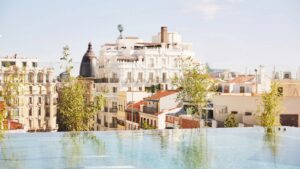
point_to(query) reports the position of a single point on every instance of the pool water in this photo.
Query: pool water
(222, 148)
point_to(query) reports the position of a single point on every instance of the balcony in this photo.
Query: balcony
(113, 110)
(114, 80)
(150, 110)
(101, 80)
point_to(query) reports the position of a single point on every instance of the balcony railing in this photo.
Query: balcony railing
(114, 80)
(150, 110)
(113, 110)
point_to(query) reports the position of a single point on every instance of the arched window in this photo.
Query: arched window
(31, 77)
(40, 77)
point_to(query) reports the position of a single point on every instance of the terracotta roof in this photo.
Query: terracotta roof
(136, 105)
(242, 79)
(160, 94)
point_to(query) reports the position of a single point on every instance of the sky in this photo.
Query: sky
(236, 34)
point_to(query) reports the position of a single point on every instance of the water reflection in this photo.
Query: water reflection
(193, 152)
(8, 157)
(271, 140)
(77, 146)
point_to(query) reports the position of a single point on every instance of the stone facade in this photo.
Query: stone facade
(35, 107)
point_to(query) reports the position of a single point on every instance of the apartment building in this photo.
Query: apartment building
(35, 105)
(154, 109)
(130, 64)
(247, 107)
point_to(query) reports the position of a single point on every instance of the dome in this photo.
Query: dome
(88, 64)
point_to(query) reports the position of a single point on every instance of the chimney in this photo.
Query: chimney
(164, 34)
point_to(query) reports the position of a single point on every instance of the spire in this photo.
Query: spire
(90, 46)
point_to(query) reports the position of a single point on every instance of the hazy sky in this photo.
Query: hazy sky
(236, 34)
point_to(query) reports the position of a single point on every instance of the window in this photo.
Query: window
(30, 111)
(30, 124)
(24, 64)
(234, 112)
(41, 90)
(280, 91)
(31, 77)
(47, 112)
(7, 63)
(151, 62)
(30, 90)
(140, 89)
(129, 78)
(164, 62)
(114, 89)
(287, 75)
(114, 105)
(140, 76)
(226, 89)
(34, 64)
(175, 63)
(164, 77)
(40, 100)
(40, 111)
(248, 113)
(114, 75)
(151, 77)
(47, 100)
(242, 89)
(40, 123)
(40, 77)
(30, 100)
(47, 78)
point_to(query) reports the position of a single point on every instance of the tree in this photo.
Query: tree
(66, 60)
(271, 103)
(13, 80)
(76, 109)
(230, 121)
(195, 85)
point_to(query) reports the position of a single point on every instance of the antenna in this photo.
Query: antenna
(121, 29)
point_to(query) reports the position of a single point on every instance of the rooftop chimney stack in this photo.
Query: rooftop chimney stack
(164, 34)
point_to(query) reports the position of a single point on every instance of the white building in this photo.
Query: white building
(35, 105)
(246, 84)
(247, 108)
(130, 64)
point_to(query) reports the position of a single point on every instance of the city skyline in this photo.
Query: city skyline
(245, 33)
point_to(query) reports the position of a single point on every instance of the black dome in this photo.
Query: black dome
(88, 64)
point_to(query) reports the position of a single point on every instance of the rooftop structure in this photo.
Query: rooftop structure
(88, 66)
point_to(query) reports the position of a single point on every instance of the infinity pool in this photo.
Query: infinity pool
(234, 148)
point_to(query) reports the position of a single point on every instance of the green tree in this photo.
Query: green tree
(271, 103)
(66, 60)
(195, 85)
(230, 121)
(76, 110)
(11, 89)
